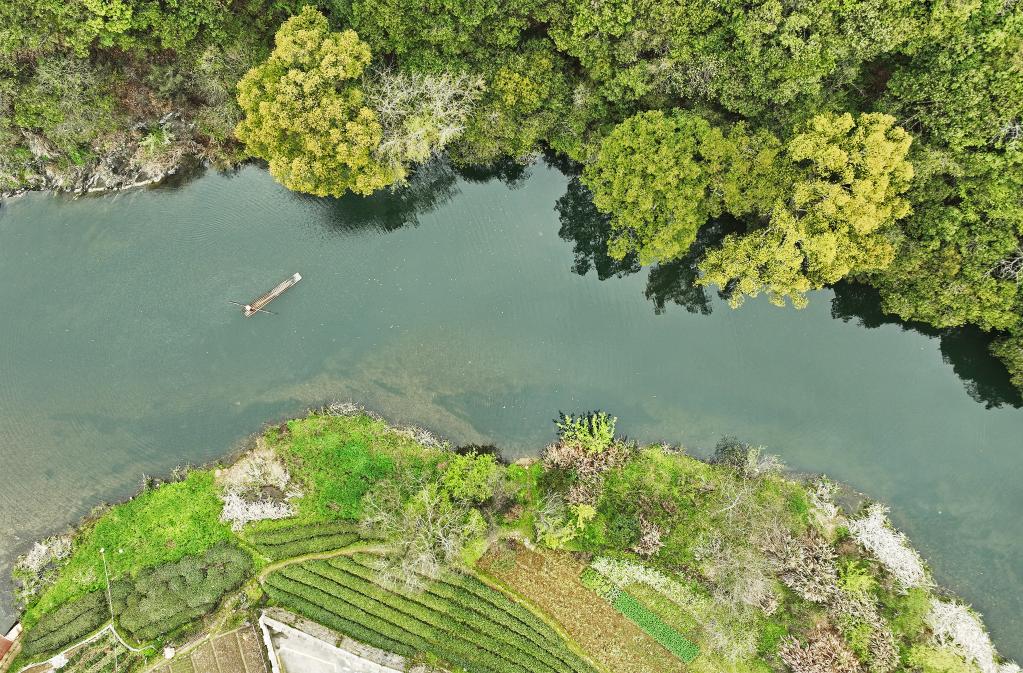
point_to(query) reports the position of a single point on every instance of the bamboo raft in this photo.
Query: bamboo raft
(258, 304)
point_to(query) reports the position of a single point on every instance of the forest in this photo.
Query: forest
(790, 144)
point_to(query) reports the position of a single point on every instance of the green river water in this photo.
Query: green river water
(467, 305)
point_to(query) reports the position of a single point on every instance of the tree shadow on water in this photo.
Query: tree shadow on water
(964, 348)
(672, 282)
(431, 186)
(512, 173)
(589, 231)
(675, 281)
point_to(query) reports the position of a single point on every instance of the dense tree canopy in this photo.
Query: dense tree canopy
(771, 113)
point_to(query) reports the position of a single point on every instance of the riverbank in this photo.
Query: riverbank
(385, 534)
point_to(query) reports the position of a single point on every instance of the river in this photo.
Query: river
(478, 306)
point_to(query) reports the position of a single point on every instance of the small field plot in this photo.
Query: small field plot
(459, 620)
(550, 580)
(240, 651)
(104, 655)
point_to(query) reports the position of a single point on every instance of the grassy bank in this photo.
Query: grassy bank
(601, 556)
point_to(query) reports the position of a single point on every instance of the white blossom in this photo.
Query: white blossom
(240, 511)
(889, 546)
(955, 626)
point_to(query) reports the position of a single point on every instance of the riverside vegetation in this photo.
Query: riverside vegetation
(601, 556)
(873, 140)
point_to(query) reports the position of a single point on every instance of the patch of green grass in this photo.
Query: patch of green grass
(159, 526)
(339, 458)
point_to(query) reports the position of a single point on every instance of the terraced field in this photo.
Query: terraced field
(460, 620)
(283, 539)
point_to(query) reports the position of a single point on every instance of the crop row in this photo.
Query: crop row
(639, 614)
(102, 655)
(673, 641)
(67, 624)
(308, 545)
(443, 615)
(414, 624)
(320, 607)
(415, 632)
(491, 612)
(483, 593)
(285, 530)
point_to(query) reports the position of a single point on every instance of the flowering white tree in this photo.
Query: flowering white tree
(889, 546)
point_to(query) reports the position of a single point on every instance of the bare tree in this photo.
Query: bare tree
(420, 113)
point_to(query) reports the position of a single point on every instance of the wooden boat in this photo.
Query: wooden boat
(257, 305)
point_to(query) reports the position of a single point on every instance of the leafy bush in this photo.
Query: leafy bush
(594, 431)
(471, 477)
(602, 586)
(159, 600)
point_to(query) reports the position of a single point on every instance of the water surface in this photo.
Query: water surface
(479, 309)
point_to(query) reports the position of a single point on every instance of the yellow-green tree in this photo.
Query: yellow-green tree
(839, 218)
(305, 113)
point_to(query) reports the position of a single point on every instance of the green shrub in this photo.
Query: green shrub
(471, 477)
(907, 613)
(603, 587)
(159, 600)
(594, 431)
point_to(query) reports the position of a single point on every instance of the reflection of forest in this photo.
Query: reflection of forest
(429, 186)
(964, 348)
(674, 282)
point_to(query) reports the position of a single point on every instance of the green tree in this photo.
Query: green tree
(525, 99)
(961, 258)
(966, 88)
(839, 219)
(439, 33)
(655, 175)
(305, 113)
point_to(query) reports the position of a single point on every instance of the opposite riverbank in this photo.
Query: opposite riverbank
(601, 556)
